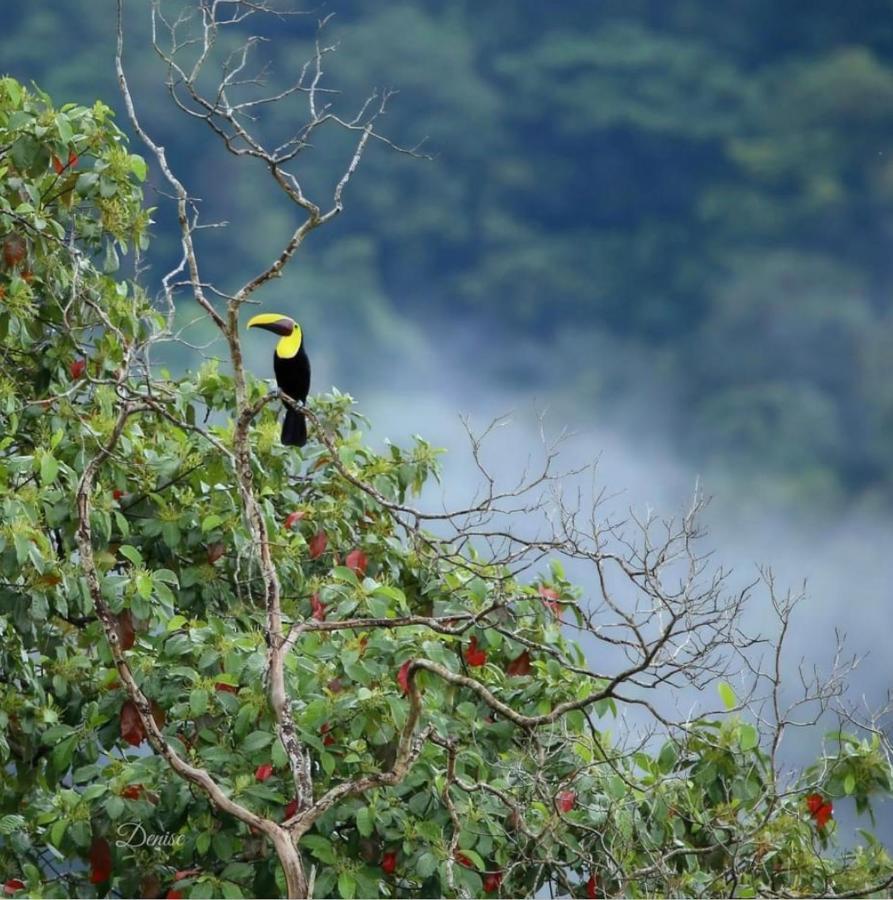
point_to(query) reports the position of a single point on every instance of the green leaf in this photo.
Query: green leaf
(62, 753)
(211, 521)
(49, 469)
(57, 832)
(114, 806)
(347, 885)
(139, 168)
(256, 741)
(131, 553)
(727, 694)
(849, 783)
(198, 702)
(425, 865)
(11, 823)
(365, 823)
(748, 737)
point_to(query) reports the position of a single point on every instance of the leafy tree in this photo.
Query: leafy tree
(235, 669)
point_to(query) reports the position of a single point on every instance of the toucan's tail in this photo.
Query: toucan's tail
(294, 428)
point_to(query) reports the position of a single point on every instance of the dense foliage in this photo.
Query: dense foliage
(88, 808)
(678, 198)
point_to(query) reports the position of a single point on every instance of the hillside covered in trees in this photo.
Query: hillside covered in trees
(678, 210)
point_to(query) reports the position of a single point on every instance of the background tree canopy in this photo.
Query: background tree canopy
(634, 206)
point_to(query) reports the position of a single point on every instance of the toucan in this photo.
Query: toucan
(292, 369)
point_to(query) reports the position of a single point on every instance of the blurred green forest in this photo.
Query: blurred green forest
(672, 214)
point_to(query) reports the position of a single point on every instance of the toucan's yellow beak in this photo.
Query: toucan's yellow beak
(275, 322)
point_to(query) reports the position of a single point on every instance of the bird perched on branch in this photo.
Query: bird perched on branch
(292, 369)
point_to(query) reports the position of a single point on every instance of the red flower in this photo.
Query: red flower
(293, 517)
(76, 368)
(324, 730)
(132, 791)
(474, 656)
(463, 860)
(820, 809)
(117, 493)
(492, 880)
(519, 666)
(225, 688)
(591, 885)
(566, 801)
(357, 562)
(131, 725)
(291, 808)
(72, 159)
(263, 772)
(318, 544)
(100, 861)
(13, 885)
(389, 862)
(318, 608)
(403, 677)
(57, 165)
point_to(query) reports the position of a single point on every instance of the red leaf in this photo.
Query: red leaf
(173, 895)
(76, 368)
(117, 493)
(291, 808)
(356, 561)
(324, 730)
(215, 551)
(13, 885)
(474, 656)
(125, 630)
(14, 250)
(132, 791)
(159, 717)
(318, 608)
(566, 801)
(100, 861)
(551, 598)
(519, 666)
(463, 860)
(57, 165)
(591, 885)
(336, 685)
(318, 544)
(389, 862)
(225, 688)
(294, 517)
(263, 772)
(492, 881)
(820, 809)
(403, 677)
(131, 725)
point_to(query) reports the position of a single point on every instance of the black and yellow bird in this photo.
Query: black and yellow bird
(292, 369)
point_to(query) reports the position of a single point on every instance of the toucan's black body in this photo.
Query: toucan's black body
(293, 378)
(292, 369)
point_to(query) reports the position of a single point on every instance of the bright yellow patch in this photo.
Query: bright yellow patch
(289, 346)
